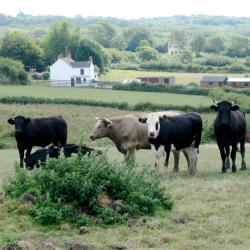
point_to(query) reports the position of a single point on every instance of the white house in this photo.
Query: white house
(173, 49)
(67, 72)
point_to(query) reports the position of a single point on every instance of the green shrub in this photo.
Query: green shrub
(45, 75)
(71, 190)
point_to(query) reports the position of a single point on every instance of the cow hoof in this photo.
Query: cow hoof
(234, 170)
(243, 166)
(224, 171)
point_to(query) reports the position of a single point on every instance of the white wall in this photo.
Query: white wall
(60, 71)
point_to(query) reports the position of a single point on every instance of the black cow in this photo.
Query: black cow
(38, 132)
(39, 157)
(181, 132)
(230, 129)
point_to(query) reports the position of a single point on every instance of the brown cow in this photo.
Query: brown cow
(128, 134)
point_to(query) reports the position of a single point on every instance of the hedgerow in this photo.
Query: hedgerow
(86, 190)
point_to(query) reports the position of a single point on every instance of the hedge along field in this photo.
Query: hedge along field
(104, 95)
(180, 78)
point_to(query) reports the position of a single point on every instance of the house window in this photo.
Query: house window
(166, 80)
(84, 79)
(210, 83)
(78, 79)
(81, 71)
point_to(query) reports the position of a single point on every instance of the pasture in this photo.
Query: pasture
(105, 95)
(211, 210)
(180, 78)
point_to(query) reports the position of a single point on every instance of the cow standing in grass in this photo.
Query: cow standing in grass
(230, 129)
(182, 132)
(128, 134)
(38, 132)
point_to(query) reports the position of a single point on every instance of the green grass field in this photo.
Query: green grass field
(211, 211)
(105, 95)
(180, 78)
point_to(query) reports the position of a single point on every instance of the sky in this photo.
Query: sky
(127, 9)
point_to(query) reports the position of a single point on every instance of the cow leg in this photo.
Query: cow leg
(227, 162)
(176, 160)
(223, 158)
(28, 151)
(21, 155)
(167, 149)
(192, 155)
(233, 157)
(130, 156)
(242, 151)
(187, 158)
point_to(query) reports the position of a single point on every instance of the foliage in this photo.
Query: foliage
(207, 132)
(118, 42)
(87, 48)
(216, 60)
(215, 45)
(20, 46)
(65, 188)
(198, 44)
(186, 56)
(162, 88)
(45, 75)
(238, 47)
(102, 32)
(178, 37)
(12, 72)
(237, 68)
(134, 35)
(147, 53)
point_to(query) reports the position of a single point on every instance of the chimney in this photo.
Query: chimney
(90, 59)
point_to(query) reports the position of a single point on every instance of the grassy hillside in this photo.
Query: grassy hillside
(103, 95)
(180, 78)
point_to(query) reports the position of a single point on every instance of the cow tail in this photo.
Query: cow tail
(197, 139)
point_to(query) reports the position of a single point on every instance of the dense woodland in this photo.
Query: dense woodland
(208, 43)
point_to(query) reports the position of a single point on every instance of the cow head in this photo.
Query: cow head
(153, 123)
(224, 109)
(20, 122)
(101, 129)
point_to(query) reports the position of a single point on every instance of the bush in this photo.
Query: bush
(237, 68)
(45, 75)
(71, 190)
(176, 89)
(216, 60)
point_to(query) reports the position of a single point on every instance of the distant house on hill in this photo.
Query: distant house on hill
(173, 49)
(213, 81)
(238, 82)
(69, 73)
(157, 79)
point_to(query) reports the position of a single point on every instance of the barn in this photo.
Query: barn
(157, 79)
(238, 82)
(69, 73)
(213, 81)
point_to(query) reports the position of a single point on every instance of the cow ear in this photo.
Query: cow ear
(214, 107)
(162, 118)
(142, 119)
(11, 121)
(235, 107)
(27, 120)
(107, 122)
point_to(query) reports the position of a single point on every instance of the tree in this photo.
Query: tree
(87, 48)
(238, 47)
(147, 53)
(198, 44)
(62, 38)
(20, 46)
(215, 45)
(178, 37)
(118, 42)
(186, 56)
(135, 35)
(102, 33)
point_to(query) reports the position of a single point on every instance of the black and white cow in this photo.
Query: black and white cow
(182, 132)
(230, 129)
(38, 132)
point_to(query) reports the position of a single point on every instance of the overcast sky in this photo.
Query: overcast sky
(126, 8)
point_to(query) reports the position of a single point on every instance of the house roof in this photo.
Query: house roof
(74, 64)
(80, 64)
(214, 79)
(232, 79)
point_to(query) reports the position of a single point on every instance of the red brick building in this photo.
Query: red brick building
(213, 81)
(157, 79)
(238, 82)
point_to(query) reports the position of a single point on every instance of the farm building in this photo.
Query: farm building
(157, 79)
(69, 73)
(238, 82)
(213, 81)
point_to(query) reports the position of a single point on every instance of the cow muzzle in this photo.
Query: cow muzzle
(151, 135)
(92, 137)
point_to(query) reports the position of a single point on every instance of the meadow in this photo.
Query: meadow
(180, 78)
(105, 95)
(211, 210)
